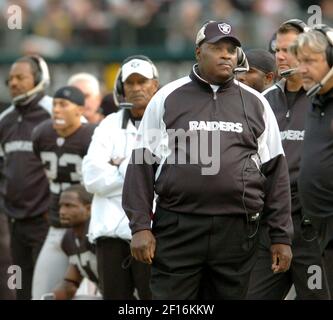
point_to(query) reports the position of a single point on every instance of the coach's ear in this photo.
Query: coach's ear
(269, 78)
(156, 84)
(87, 208)
(84, 213)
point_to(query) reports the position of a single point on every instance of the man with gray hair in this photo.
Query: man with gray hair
(315, 56)
(289, 103)
(90, 87)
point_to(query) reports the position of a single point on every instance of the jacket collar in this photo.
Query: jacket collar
(32, 104)
(127, 123)
(281, 84)
(195, 76)
(320, 100)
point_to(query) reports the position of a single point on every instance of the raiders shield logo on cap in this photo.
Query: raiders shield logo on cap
(67, 93)
(224, 28)
(135, 64)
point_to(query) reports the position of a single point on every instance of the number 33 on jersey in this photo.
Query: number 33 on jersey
(61, 158)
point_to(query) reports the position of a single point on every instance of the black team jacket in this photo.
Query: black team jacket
(209, 152)
(316, 175)
(24, 186)
(291, 121)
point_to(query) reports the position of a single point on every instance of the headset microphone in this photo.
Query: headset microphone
(288, 73)
(125, 105)
(28, 94)
(240, 70)
(316, 88)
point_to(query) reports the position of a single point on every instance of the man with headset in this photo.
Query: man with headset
(103, 171)
(209, 147)
(290, 105)
(25, 189)
(314, 52)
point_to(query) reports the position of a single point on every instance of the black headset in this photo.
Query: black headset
(302, 27)
(41, 77)
(37, 69)
(118, 90)
(328, 33)
(272, 44)
(298, 24)
(242, 63)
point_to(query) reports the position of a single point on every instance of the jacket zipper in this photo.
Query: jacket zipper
(215, 101)
(288, 114)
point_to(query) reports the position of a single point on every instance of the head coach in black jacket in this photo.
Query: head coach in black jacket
(314, 51)
(210, 148)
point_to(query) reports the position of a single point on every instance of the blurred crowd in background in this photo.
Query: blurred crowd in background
(95, 35)
(125, 24)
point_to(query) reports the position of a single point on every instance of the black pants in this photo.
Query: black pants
(265, 285)
(324, 227)
(328, 262)
(201, 256)
(5, 260)
(119, 274)
(27, 238)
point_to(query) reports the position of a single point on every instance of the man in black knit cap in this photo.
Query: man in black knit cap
(60, 143)
(261, 74)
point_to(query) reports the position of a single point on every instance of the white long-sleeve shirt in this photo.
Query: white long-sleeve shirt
(110, 141)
